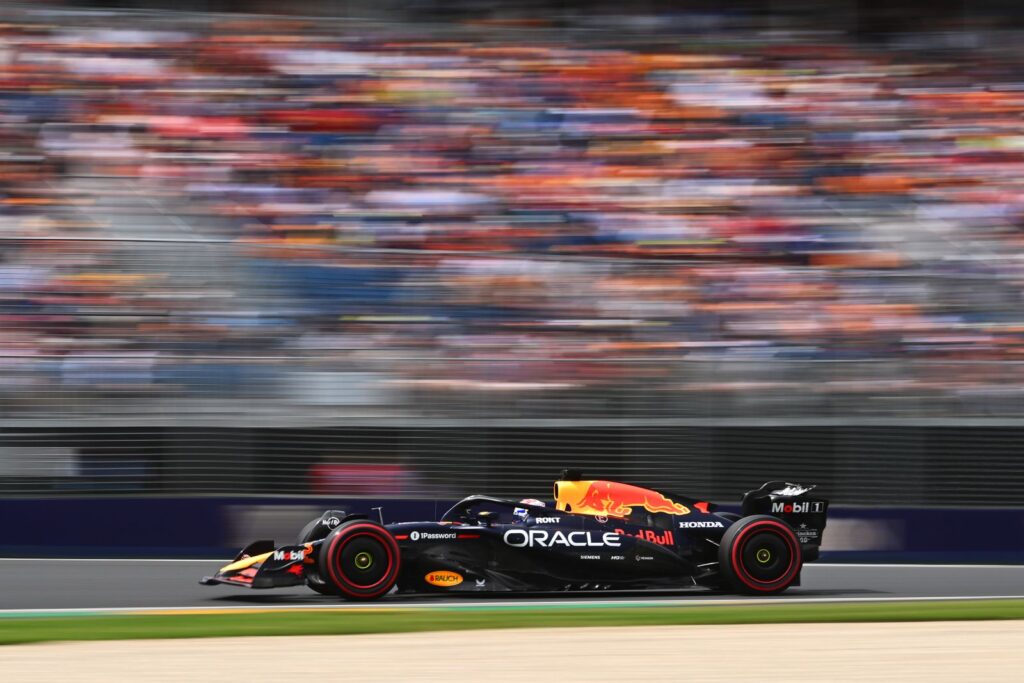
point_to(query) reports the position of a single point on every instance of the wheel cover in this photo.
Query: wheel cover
(351, 563)
(363, 560)
(764, 556)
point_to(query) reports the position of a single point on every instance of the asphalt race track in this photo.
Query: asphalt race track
(73, 584)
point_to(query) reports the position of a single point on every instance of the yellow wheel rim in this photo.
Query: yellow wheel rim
(363, 560)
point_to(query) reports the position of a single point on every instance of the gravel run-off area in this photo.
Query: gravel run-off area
(920, 651)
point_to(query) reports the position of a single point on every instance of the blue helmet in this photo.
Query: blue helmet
(521, 515)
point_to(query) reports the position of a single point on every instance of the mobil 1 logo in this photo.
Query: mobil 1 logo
(798, 508)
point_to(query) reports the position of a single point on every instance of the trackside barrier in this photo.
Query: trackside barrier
(216, 527)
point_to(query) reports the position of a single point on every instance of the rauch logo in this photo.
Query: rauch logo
(444, 579)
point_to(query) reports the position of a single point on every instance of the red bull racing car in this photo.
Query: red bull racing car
(598, 535)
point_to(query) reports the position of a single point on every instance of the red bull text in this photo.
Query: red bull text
(651, 536)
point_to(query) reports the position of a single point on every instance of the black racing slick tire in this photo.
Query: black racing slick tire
(760, 555)
(360, 559)
(314, 531)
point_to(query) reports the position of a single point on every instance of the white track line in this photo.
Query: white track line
(509, 604)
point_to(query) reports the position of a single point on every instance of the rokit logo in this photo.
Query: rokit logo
(548, 520)
(798, 508)
(289, 554)
(701, 525)
(522, 538)
(431, 535)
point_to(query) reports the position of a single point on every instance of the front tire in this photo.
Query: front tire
(760, 555)
(360, 560)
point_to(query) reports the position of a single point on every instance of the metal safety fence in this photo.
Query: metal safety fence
(912, 465)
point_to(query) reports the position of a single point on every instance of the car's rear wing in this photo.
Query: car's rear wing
(793, 504)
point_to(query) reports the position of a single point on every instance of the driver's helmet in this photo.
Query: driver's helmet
(520, 515)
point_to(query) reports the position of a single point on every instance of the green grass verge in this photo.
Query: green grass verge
(324, 622)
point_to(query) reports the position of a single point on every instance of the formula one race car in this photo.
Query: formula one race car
(600, 535)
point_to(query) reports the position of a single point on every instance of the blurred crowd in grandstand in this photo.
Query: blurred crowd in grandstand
(346, 213)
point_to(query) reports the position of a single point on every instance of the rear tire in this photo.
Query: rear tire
(360, 560)
(760, 555)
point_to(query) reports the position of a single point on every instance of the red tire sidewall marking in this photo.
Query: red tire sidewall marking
(741, 571)
(353, 532)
